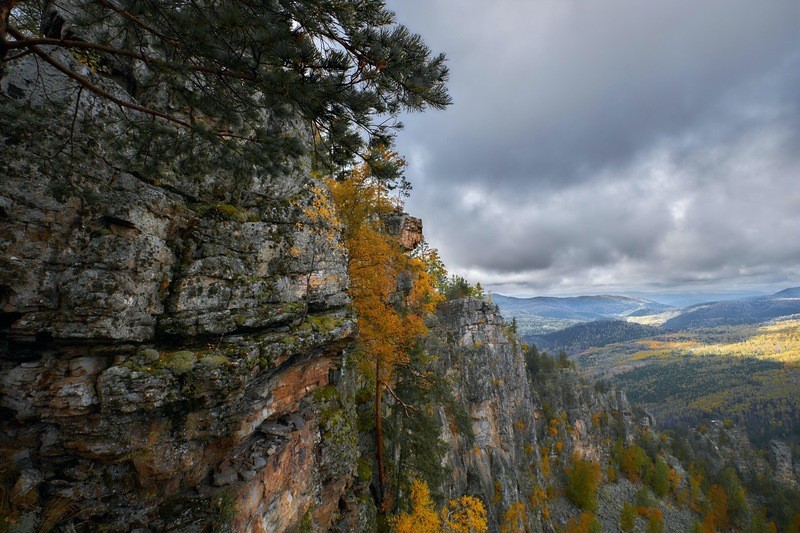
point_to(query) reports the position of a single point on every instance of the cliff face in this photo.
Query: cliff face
(489, 427)
(518, 432)
(159, 346)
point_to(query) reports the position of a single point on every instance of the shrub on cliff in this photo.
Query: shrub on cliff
(583, 479)
(586, 523)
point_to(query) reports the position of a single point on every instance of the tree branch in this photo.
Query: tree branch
(409, 409)
(91, 87)
(23, 42)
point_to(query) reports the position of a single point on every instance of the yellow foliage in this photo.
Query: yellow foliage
(777, 342)
(546, 466)
(717, 516)
(498, 492)
(389, 322)
(674, 481)
(423, 517)
(462, 515)
(515, 519)
(322, 216)
(586, 523)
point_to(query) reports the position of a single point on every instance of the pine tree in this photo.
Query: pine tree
(252, 84)
(660, 481)
(412, 428)
(627, 518)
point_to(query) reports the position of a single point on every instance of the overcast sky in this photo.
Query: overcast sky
(599, 146)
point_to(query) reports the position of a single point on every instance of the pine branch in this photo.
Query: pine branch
(408, 408)
(25, 42)
(91, 87)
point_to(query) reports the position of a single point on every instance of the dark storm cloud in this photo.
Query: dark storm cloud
(611, 145)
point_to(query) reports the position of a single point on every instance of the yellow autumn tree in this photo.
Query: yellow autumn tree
(461, 515)
(587, 522)
(423, 517)
(515, 519)
(391, 291)
(716, 518)
(464, 515)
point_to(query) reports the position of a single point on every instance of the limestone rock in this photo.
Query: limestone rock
(780, 458)
(488, 446)
(406, 228)
(150, 325)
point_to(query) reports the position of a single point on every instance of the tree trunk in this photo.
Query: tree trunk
(5, 12)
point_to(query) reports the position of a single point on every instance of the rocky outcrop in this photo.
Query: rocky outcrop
(489, 426)
(511, 435)
(406, 228)
(161, 342)
(780, 459)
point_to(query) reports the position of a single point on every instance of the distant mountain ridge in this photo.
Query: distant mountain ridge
(737, 312)
(544, 314)
(793, 292)
(580, 337)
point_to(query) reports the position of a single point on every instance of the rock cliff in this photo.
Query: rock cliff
(518, 433)
(159, 346)
(489, 428)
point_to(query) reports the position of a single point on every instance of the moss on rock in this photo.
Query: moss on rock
(179, 363)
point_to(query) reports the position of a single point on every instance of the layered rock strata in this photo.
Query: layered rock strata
(159, 345)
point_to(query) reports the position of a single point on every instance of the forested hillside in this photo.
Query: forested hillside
(580, 337)
(748, 374)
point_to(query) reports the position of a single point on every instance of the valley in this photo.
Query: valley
(749, 375)
(736, 361)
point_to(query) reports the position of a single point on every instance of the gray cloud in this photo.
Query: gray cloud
(618, 145)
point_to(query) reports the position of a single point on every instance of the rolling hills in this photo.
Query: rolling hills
(749, 374)
(583, 336)
(737, 312)
(545, 314)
